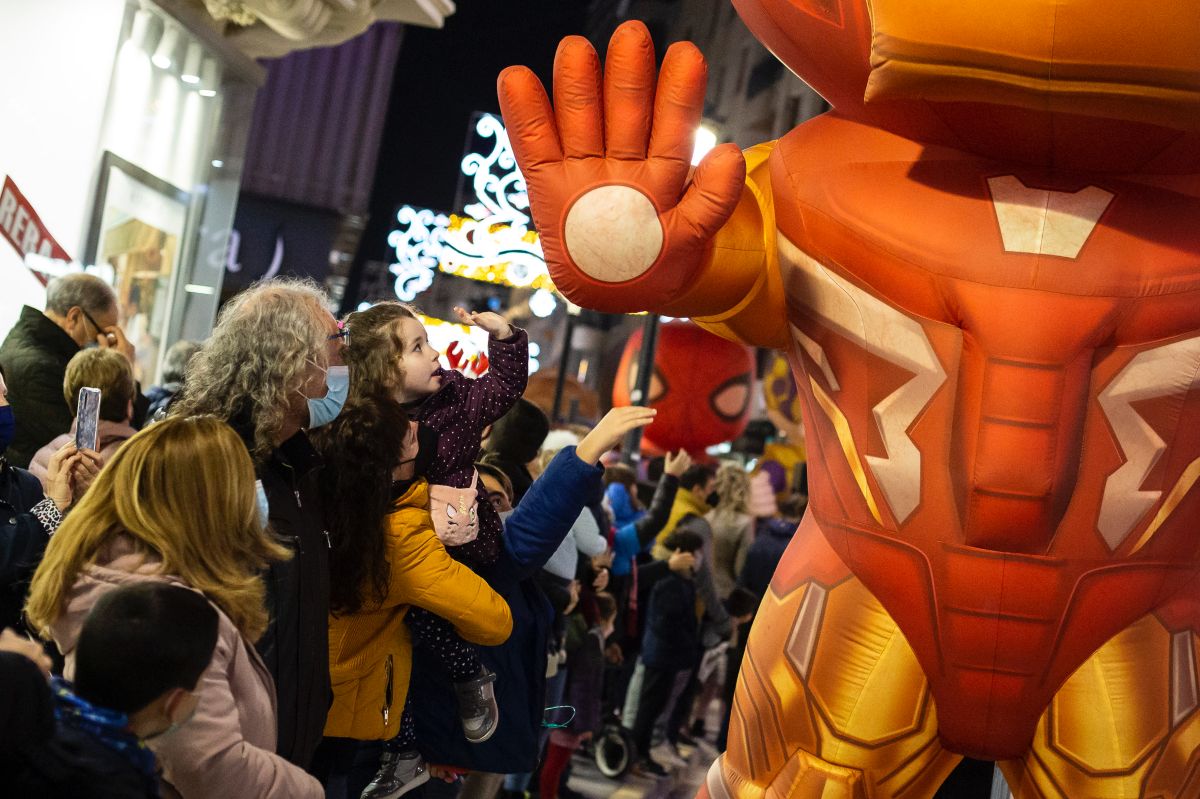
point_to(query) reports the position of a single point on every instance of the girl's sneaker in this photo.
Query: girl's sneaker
(399, 773)
(477, 708)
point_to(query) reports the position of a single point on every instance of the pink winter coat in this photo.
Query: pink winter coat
(228, 746)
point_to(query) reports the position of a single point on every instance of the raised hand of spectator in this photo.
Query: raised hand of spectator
(495, 324)
(609, 431)
(603, 560)
(70, 474)
(601, 580)
(676, 463)
(614, 654)
(11, 642)
(86, 471)
(681, 562)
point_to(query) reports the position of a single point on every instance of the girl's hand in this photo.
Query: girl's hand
(609, 431)
(495, 324)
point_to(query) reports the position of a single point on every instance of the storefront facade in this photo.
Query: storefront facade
(125, 126)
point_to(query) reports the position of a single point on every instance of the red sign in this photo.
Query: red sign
(23, 228)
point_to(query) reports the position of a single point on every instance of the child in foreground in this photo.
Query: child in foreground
(140, 655)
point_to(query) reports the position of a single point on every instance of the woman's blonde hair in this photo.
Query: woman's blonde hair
(258, 358)
(182, 489)
(733, 487)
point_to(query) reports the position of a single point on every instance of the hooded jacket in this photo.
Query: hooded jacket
(228, 747)
(370, 651)
(770, 542)
(622, 505)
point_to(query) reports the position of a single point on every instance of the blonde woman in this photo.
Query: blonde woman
(732, 526)
(177, 504)
(270, 369)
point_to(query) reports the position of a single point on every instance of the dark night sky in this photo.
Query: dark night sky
(442, 77)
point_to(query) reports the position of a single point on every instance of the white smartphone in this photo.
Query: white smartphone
(87, 418)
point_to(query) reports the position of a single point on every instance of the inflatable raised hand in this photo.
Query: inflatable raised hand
(984, 267)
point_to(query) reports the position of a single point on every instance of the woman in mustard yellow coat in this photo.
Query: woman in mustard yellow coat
(384, 558)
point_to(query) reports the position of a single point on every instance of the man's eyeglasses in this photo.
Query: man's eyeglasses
(343, 333)
(99, 329)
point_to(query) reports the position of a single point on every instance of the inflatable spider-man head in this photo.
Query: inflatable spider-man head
(701, 386)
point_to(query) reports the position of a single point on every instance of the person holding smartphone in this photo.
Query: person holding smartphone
(106, 415)
(29, 515)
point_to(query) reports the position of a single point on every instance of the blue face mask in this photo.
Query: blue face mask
(264, 507)
(324, 410)
(8, 427)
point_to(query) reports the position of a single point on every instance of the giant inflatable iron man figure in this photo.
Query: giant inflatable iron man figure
(983, 264)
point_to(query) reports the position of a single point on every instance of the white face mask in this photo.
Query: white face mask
(324, 410)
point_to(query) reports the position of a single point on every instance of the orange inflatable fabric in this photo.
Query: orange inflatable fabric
(982, 265)
(701, 388)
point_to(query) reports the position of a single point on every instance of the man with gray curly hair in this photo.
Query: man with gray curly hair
(266, 362)
(81, 310)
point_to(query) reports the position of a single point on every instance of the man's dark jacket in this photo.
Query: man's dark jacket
(296, 644)
(672, 630)
(34, 360)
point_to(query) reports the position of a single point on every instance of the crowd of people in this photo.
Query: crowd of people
(313, 562)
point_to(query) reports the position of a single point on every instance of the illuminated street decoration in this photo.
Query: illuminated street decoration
(418, 244)
(495, 236)
(493, 243)
(462, 348)
(465, 348)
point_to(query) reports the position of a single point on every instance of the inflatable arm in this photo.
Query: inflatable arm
(607, 169)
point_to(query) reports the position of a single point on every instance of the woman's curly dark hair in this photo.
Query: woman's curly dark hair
(361, 448)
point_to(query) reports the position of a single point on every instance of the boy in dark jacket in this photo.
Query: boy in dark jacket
(141, 652)
(671, 645)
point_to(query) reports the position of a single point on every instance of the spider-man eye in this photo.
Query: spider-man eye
(730, 399)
